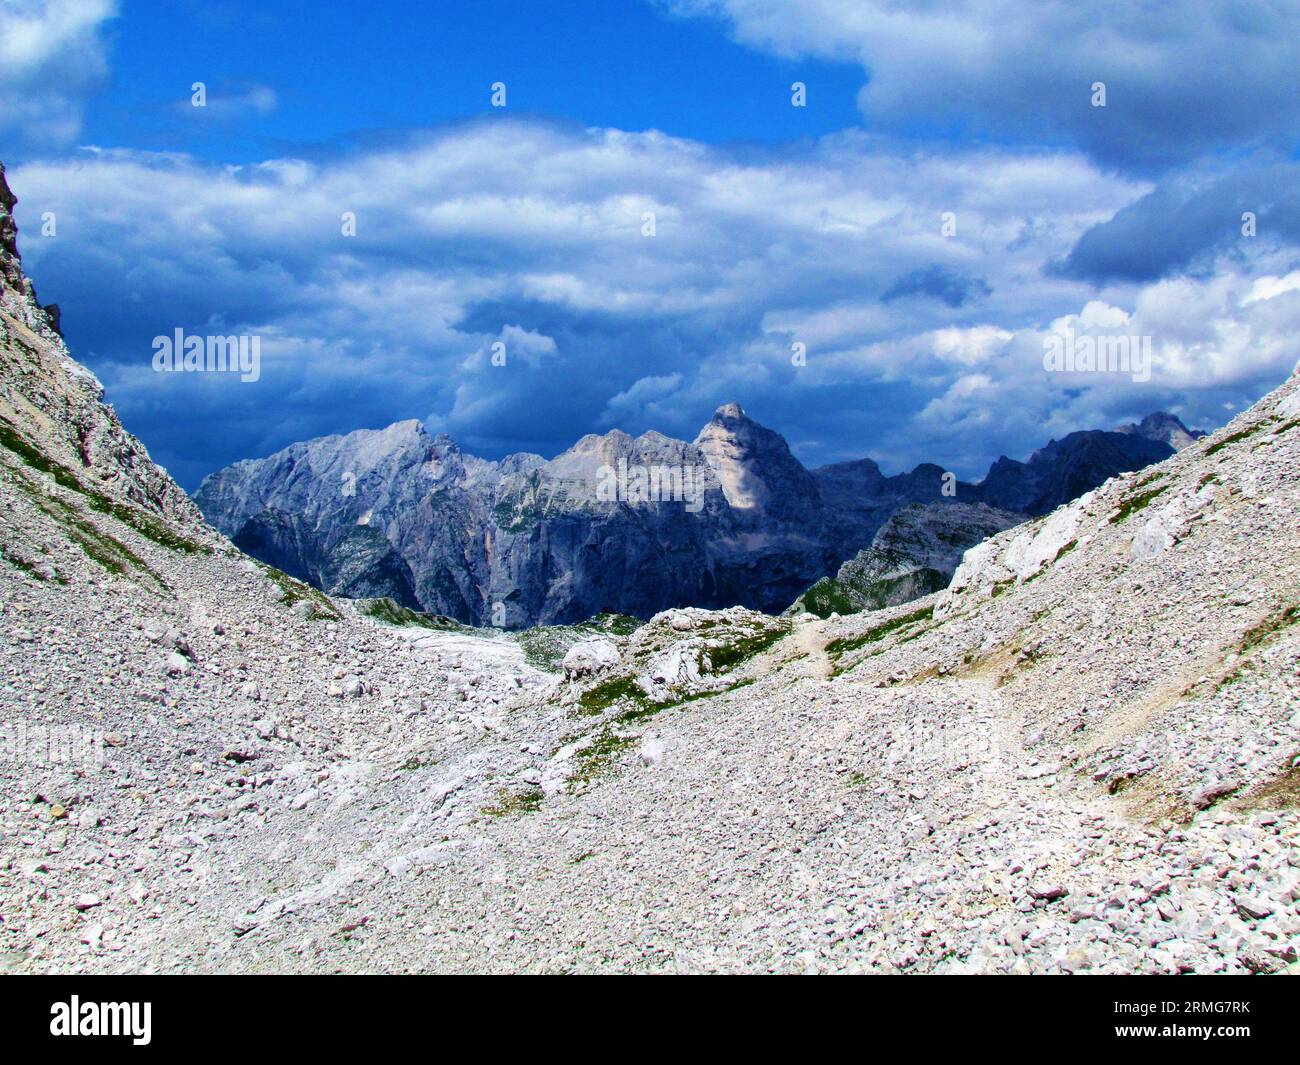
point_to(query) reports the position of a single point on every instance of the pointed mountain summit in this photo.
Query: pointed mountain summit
(1164, 427)
(759, 475)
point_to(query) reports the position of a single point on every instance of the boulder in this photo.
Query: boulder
(588, 657)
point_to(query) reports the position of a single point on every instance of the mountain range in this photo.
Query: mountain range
(616, 523)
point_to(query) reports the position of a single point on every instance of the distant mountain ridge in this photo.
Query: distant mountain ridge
(616, 523)
(1167, 428)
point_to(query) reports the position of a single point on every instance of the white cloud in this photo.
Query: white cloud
(530, 234)
(52, 54)
(1265, 288)
(643, 401)
(1025, 71)
(1207, 336)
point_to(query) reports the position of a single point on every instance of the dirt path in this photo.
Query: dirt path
(812, 642)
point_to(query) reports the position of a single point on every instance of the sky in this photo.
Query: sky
(650, 227)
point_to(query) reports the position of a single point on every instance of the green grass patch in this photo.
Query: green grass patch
(649, 709)
(615, 624)
(546, 645)
(1274, 623)
(1229, 679)
(827, 597)
(101, 548)
(1134, 503)
(597, 759)
(1234, 438)
(515, 802)
(723, 659)
(605, 694)
(845, 644)
(295, 591)
(1065, 550)
(26, 566)
(391, 612)
(853, 595)
(727, 656)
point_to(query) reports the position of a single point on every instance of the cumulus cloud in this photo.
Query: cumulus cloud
(52, 54)
(1025, 72)
(531, 235)
(645, 401)
(1191, 220)
(1217, 344)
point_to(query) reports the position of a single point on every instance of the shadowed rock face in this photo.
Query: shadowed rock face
(915, 553)
(616, 523)
(1065, 469)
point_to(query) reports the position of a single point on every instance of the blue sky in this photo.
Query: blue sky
(775, 225)
(340, 76)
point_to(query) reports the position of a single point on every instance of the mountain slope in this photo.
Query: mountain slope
(1082, 757)
(1064, 469)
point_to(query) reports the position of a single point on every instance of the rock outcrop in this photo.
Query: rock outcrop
(915, 553)
(52, 406)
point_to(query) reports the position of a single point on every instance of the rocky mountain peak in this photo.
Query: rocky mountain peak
(411, 433)
(17, 295)
(8, 228)
(730, 412)
(12, 281)
(741, 518)
(1165, 427)
(754, 465)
